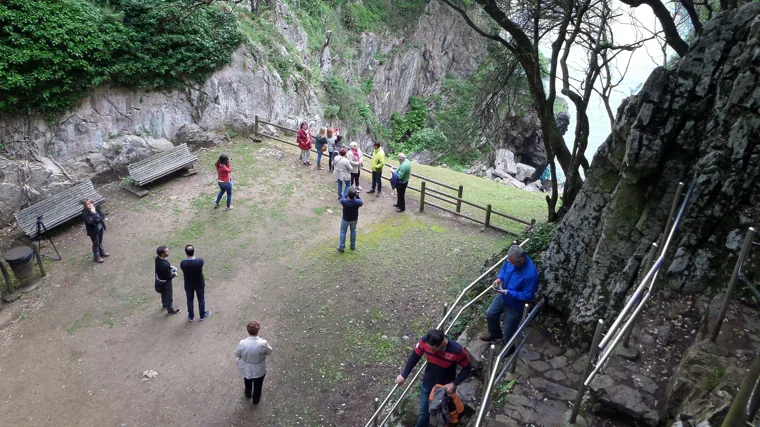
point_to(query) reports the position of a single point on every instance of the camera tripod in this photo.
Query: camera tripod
(38, 238)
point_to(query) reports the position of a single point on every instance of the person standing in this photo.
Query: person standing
(443, 356)
(320, 145)
(351, 205)
(516, 283)
(357, 161)
(331, 137)
(304, 142)
(224, 177)
(251, 361)
(95, 224)
(342, 173)
(195, 283)
(404, 171)
(377, 164)
(165, 273)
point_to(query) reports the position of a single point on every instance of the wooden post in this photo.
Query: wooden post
(256, 125)
(488, 216)
(422, 196)
(36, 248)
(6, 277)
(589, 363)
(459, 195)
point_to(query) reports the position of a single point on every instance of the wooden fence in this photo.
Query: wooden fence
(427, 192)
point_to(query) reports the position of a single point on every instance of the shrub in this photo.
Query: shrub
(54, 51)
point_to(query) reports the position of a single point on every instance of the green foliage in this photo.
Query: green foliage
(413, 120)
(348, 103)
(540, 237)
(426, 138)
(54, 51)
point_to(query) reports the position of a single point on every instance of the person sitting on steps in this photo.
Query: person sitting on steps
(516, 285)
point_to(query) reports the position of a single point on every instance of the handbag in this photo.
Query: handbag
(324, 148)
(160, 285)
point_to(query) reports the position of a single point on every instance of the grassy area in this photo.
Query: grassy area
(508, 200)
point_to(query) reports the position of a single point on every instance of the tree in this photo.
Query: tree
(520, 26)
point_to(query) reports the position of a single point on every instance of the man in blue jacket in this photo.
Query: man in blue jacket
(351, 205)
(516, 283)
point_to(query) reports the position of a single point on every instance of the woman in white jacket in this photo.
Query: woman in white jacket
(342, 173)
(251, 356)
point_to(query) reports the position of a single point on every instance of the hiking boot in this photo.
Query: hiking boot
(371, 191)
(105, 254)
(340, 250)
(175, 311)
(99, 260)
(378, 194)
(230, 208)
(319, 167)
(487, 337)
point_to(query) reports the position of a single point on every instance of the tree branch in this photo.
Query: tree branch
(672, 38)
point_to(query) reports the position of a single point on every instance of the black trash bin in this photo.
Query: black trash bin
(21, 261)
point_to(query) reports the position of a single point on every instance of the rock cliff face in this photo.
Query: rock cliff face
(699, 121)
(61, 152)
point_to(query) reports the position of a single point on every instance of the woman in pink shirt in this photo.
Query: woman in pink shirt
(224, 174)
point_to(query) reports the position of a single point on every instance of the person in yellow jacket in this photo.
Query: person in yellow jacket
(377, 164)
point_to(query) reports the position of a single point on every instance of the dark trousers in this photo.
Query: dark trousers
(191, 293)
(377, 180)
(423, 420)
(330, 162)
(355, 179)
(256, 384)
(401, 191)
(97, 244)
(166, 296)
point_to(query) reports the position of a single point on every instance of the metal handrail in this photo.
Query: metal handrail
(440, 324)
(492, 378)
(614, 335)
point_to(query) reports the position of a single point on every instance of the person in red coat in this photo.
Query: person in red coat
(304, 142)
(224, 175)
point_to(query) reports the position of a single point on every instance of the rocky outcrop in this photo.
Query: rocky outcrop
(112, 127)
(699, 121)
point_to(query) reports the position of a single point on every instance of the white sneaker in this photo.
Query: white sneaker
(230, 208)
(359, 188)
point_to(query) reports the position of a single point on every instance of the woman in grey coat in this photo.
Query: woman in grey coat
(342, 173)
(251, 361)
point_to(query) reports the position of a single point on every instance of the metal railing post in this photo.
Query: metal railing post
(648, 262)
(488, 216)
(740, 411)
(489, 362)
(672, 214)
(445, 310)
(513, 366)
(422, 196)
(591, 356)
(36, 247)
(375, 410)
(459, 195)
(748, 239)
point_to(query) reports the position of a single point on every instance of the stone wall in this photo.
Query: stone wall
(699, 121)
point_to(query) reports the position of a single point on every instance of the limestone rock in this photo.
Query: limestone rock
(471, 391)
(424, 157)
(193, 135)
(629, 402)
(509, 180)
(524, 172)
(556, 375)
(552, 389)
(597, 251)
(505, 162)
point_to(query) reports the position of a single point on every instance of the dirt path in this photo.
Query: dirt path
(340, 324)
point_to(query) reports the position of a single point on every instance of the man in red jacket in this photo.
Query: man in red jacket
(304, 142)
(443, 356)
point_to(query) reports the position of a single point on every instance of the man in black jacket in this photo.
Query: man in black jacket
(195, 283)
(165, 273)
(96, 225)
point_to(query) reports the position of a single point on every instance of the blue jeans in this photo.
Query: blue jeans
(343, 192)
(319, 154)
(512, 319)
(424, 418)
(225, 187)
(343, 228)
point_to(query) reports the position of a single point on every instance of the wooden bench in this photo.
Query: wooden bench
(57, 209)
(161, 164)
